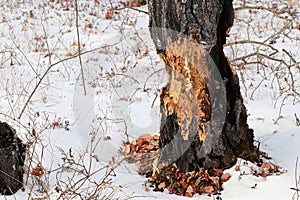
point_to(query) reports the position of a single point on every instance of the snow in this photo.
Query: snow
(123, 76)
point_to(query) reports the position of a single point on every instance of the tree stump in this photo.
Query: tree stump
(12, 155)
(183, 130)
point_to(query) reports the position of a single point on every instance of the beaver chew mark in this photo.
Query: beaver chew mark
(186, 91)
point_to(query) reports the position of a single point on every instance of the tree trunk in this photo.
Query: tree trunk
(190, 106)
(12, 155)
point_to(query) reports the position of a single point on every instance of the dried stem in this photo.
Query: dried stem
(79, 48)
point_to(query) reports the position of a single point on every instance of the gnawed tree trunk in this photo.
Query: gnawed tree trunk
(184, 117)
(12, 155)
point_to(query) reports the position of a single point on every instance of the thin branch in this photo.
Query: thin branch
(297, 120)
(26, 58)
(46, 72)
(144, 88)
(298, 190)
(79, 48)
(280, 110)
(253, 42)
(271, 10)
(262, 55)
(296, 178)
(135, 9)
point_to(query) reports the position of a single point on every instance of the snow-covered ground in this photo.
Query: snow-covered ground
(76, 137)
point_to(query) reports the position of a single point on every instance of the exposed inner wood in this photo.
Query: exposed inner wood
(186, 91)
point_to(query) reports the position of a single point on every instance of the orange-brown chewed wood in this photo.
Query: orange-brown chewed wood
(186, 91)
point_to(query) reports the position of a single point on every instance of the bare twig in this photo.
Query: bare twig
(271, 10)
(253, 42)
(297, 120)
(266, 56)
(298, 190)
(79, 48)
(280, 111)
(144, 88)
(28, 61)
(47, 71)
(135, 9)
(297, 181)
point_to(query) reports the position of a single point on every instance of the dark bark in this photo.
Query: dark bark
(12, 155)
(206, 22)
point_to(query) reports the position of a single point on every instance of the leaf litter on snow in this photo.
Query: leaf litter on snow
(145, 152)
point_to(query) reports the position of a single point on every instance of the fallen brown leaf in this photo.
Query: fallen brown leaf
(146, 137)
(74, 44)
(123, 99)
(209, 189)
(107, 138)
(96, 157)
(155, 137)
(225, 177)
(126, 149)
(109, 14)
(260, 118)
(146, 52)
(38, 170)
(161, 186)
(190, 189)
(55, 124)
(266, 166)
(237, 168)
(70, 54)
(188, 194)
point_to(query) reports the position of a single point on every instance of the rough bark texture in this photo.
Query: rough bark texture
(206, 22)
(12, 155)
